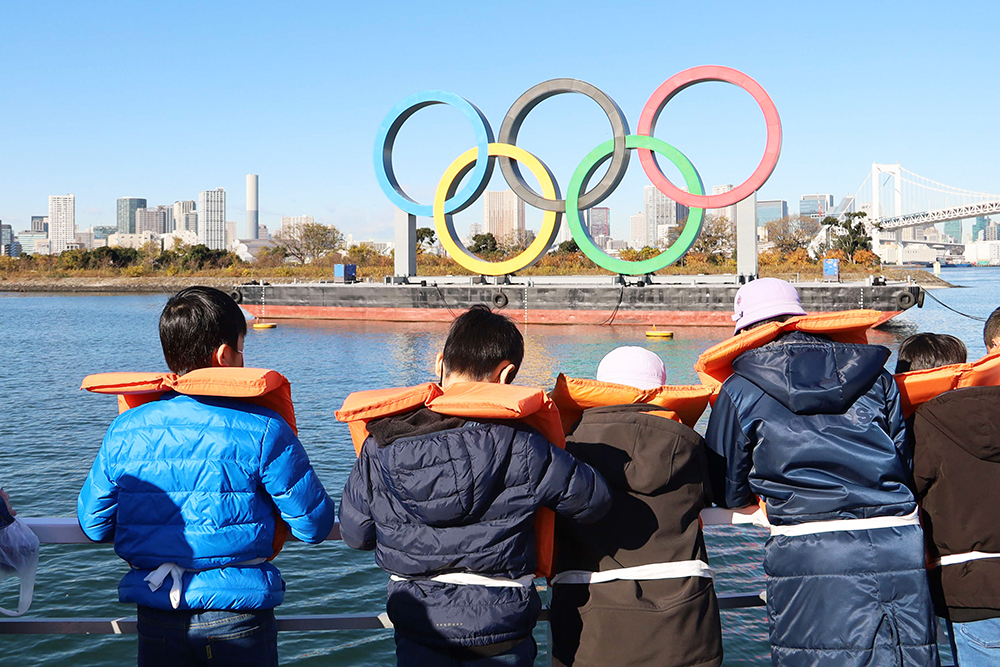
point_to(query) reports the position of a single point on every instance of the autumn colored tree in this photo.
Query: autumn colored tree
(309, 241)
(791, 233)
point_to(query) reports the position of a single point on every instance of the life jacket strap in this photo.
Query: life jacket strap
(841, 525)
(675, 570)
(156, 578)
(955, 559)
(472, 579)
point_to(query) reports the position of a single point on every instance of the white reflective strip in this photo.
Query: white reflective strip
(384, 620)
(954, 559)
(471, 579)
(717, 516)
(676, 570)
(114, 625)
(839, 525)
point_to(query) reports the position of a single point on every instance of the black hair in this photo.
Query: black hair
(194, 323)
(991, 331)
(776, 318)
(479, 340)
(929, 350)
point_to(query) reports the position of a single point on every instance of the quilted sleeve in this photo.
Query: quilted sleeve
(357, 526)
(566, 485)
(289, 478)
(97, 504)
(730, 455)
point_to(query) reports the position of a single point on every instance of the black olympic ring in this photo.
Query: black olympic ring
(520, 110)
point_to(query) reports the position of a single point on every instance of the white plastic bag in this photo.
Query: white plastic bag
(19, 558)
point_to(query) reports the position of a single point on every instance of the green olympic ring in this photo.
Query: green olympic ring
(581, 235)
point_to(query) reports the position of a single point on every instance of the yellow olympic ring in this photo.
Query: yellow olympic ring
(446, 229)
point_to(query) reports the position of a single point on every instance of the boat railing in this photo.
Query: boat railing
(68, 531)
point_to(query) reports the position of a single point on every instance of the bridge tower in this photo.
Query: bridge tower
(876, 210)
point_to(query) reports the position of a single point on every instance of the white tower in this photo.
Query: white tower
(212, 218)
(252, 214)
(62, 222)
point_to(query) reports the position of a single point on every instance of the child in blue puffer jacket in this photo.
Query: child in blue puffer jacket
(190, 488)
(449, 505)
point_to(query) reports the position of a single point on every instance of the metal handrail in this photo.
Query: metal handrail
(67, 531)
(64, 530)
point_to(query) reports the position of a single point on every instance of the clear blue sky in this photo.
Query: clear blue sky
(164, 100)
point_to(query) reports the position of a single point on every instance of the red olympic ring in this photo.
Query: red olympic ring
(689, 77)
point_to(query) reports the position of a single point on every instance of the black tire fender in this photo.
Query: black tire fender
(236, 296)
(905, 300)
(499, 300)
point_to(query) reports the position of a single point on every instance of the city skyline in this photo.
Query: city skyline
(315, 154)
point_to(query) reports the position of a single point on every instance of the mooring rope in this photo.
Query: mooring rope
(971, 317)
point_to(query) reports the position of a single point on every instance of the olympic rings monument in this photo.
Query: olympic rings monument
(479, 160)
(672, 300)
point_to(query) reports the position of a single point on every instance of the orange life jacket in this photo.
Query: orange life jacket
(471, 400)
(715, 364)
(918, 387)
(683, 403)
(266, 388)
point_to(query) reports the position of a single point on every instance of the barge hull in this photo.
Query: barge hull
(681, 318)
(669, 305)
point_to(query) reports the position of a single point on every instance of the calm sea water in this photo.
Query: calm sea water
(50, 432)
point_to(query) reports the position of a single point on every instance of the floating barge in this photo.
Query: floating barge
(670, 301)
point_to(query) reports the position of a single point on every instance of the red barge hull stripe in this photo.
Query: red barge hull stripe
(692, 318)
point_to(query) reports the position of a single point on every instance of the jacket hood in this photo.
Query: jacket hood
(813, 375)
(447, 471)
(968, 418)
(647, 448)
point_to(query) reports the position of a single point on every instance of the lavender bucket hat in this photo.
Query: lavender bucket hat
(763, 299)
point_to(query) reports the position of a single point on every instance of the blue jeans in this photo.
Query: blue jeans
(976, 643)
(207, 638)
(412, 654)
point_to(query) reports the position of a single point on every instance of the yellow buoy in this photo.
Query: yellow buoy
(264, 325)
(653, 333)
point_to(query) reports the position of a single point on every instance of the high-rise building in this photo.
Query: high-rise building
(153, 220)
(979, 226)
(29, 239)
(475, 229)
(231, 234)
(816, 206)
(771, 209)
(62, 222)
(637, 229)
(40, 223)
(102, 233)
(846, 205)
(728, 211)
(503, 215)
(7, 240)
(181, 220)
(953, 228)
(600, 221)
(252, 214)
(127, 206)
(291, 223)
(212, 218)
(188, 222)
(660, 209)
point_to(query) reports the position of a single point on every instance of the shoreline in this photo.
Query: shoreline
(172, 284)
